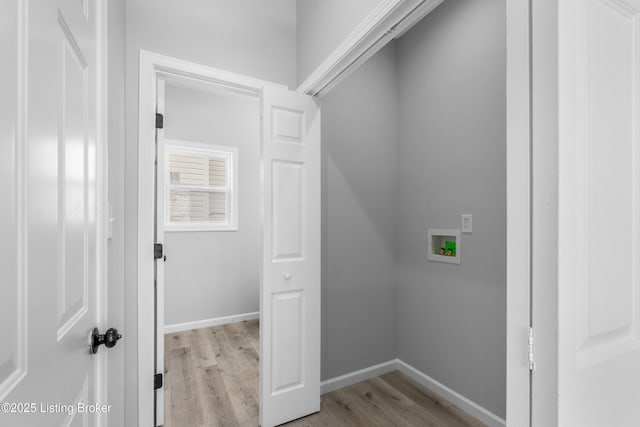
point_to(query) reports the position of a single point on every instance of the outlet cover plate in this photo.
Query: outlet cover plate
(467, 223)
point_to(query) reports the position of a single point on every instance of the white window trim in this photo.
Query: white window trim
(189, 147)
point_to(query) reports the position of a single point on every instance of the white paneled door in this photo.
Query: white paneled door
(49, 213)
(599, 213)
(290, 296)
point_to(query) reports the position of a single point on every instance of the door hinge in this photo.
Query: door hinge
(532, 363)
(159, 121)
(157, 381)
(158, 251)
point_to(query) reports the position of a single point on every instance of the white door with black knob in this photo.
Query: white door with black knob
(51, 244)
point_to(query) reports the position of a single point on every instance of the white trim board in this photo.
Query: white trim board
(442, 390)
(389, 20)
(467, 405)
(186, 326)
(358, 376)
(519, 206)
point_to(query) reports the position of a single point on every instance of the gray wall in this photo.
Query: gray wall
(323, 25)
(211, 274)
(359, 139)
(451, 80)
(255, 38)
(242, 36)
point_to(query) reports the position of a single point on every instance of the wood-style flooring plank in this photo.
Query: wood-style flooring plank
(244, 341)
(202, 352)
(393, 409)
(430, 401)
(415, 413)
(185, 409)
(253, 328)
(175, 340)
(359, 410)
(239, 374)
(212, 380)
(217, 406)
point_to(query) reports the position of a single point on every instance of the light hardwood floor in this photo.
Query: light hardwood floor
(212, 380)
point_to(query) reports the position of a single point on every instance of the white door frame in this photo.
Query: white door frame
(544, 209)
(102, 201)
(151, 66)
(519, 205)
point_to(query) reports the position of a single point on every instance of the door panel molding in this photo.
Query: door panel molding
(287, 125)
(73, 162)
(288, 373)
(288, 187)
(82, 397)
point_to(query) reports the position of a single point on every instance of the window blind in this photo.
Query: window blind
(198, 187)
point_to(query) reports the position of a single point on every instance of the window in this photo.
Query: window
(200, 187)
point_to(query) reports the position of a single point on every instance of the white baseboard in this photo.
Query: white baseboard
(457, 399)
(179, 327)
(445, 392)
(357, 376)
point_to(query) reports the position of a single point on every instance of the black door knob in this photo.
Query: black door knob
(109, 339)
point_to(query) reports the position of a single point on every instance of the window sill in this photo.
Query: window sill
(199, 227)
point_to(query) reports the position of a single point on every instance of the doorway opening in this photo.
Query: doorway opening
(208, 219)
(289, 213)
